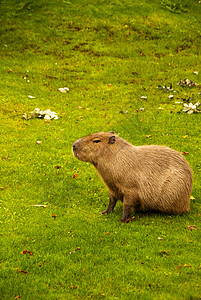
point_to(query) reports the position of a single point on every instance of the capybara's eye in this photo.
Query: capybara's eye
(96, 141)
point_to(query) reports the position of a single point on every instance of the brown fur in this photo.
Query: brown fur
(144, 177)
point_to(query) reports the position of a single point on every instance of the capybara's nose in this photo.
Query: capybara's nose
(74, 147)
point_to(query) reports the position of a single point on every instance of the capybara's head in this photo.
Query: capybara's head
(94, 146)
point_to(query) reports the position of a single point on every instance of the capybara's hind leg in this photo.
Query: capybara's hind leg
(111, 206)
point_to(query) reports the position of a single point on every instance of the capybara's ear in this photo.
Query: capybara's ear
(111, 132)
(111, 139)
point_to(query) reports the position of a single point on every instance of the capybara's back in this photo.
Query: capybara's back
(144, 177)
(164, 179)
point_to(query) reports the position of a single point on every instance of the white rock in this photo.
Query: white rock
(63, 90)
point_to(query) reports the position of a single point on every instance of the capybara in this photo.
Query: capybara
(146, 178)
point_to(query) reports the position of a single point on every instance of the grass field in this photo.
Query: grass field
(113, 56)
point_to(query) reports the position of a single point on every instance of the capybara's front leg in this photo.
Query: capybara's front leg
(111, 206)
(129, 202)
(127, 211)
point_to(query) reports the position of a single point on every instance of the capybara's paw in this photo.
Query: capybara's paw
(124, 220)
(105, 212)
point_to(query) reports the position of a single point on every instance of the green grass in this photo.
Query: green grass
(109, 54)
